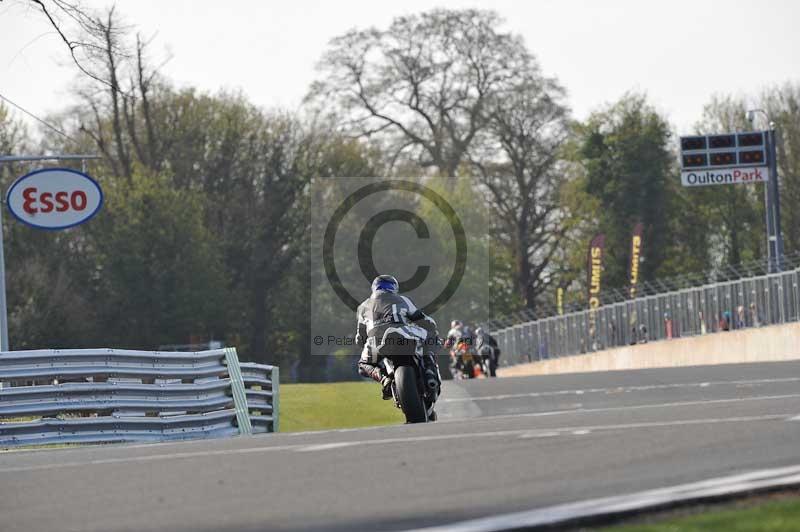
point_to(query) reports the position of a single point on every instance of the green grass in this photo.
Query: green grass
(337, 405)
(775, 516)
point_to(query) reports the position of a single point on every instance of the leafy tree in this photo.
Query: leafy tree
(624, 152)
(156, 272)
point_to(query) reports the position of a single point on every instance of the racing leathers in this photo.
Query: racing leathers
(385, 310)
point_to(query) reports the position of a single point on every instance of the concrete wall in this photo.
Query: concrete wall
(774, 343)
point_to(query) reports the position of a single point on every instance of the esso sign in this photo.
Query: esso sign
(54, 198)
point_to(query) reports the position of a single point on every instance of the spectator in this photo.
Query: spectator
(642, 333)
(740, 317)
(725, 322)
(668, 325)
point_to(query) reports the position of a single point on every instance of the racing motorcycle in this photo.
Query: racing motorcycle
(489, 362)
(465, 363)
(414, 392)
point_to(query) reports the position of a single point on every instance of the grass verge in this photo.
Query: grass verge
(338, 405)
(773, 516)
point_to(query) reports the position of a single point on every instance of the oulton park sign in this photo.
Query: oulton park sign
(724, 176)
(726, 159)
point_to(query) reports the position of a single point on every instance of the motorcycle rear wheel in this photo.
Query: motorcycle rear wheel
(410, 399)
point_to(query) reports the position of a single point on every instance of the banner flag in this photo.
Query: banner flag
(595, 269)
(560, 300)
(637, 241)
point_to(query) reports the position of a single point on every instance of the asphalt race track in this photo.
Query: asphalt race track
(502, 445)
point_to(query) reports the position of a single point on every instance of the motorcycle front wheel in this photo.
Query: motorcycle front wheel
(410, 399)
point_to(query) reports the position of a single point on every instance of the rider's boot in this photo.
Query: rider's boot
(387, 388)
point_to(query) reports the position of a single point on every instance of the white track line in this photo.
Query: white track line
(563, 513)
(623, 408)
(618, 389)
(563, 431)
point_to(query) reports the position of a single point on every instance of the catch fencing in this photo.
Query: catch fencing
(713, 308)
(112, 395)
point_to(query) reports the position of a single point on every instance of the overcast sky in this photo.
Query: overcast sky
(679, 52)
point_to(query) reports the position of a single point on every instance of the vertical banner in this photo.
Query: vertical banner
(595, 269)
(634, 259)
(560, 300)
(595, 272)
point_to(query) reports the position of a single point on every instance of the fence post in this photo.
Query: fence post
(239, 395)
(276, 398)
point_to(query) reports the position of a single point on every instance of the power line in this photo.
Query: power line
(40, 120)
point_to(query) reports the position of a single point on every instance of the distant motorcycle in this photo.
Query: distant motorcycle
(464, 362)
(414, 392)
(489, 361)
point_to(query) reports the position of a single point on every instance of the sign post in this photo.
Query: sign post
(51, 201)
(3, 307)
(774, 236)
(738, 158)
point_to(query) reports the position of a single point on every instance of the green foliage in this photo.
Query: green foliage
(473, 298)
(630, 171)
(157, 275)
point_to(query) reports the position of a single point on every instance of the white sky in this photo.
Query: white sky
(680, 52)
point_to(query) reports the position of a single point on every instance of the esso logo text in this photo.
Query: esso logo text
(54, 198)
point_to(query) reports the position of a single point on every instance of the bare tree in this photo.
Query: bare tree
(528, 123)
(422, 85)
(81, 31)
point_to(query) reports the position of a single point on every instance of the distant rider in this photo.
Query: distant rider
(487, 346)
(386, 308)
(461, 343)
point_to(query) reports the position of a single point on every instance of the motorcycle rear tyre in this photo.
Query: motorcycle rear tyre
(410, 399)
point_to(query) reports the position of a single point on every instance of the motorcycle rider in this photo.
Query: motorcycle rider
(486, 342)
(386, 308)
(461, 342)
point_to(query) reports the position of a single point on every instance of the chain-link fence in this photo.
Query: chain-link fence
(718, 307)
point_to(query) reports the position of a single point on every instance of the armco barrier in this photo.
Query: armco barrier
(112, 395)
(747, 303)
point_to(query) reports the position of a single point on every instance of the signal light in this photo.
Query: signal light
(752, 157)
(723, 158)
(694, 160)
(716, 142)
(693, 143)
(751, 139)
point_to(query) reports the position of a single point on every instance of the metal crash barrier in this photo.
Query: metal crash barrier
(114, 395)
(755, 301)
